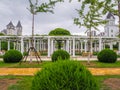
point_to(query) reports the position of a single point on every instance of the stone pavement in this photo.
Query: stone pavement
(32, 71)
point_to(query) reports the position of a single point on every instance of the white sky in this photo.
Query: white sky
(15, 10)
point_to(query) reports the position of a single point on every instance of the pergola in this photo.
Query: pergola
(72, 44)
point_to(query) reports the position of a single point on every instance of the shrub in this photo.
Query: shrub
(60, 54)
(107, 56)
(12, 56)
(64, 75)
(25, 53)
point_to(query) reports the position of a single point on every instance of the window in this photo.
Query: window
(111, 30)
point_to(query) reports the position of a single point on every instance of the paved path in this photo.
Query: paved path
(32, 71)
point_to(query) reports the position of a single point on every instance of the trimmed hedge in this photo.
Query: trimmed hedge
(107, 56)
(64, 75)
(60, 55)
(12, 56)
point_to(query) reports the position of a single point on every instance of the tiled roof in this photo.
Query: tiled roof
(10, 24)
(19, 24)
(110, 15)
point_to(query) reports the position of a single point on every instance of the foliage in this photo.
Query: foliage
(107, 56)
(43, 7)
(60, 55)
(4, 45)
(64, 75)
(59, 32)
(25, 53)
(2, 34)
(12, 56)
(92, 18)
(89, 19)
(95, 53)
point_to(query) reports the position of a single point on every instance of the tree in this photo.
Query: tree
(2, 34)
(44, 7)
(59, 32)
(90, 19)
(112, 6)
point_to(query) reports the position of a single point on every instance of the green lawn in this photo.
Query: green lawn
(25, 82)
(23, 65)
(94, 64)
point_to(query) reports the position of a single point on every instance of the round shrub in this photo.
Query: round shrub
(12, 56)
(64, 75)
(107, 56)
(60, 55)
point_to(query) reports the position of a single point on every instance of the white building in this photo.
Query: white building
(13, 30)
(111, 29)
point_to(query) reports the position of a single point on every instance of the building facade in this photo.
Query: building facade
(13, 30)
(111, 29)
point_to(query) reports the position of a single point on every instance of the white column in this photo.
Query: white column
(81, 46)
(14, 45)
(52, 46)
(39, 45)
(85, 46)
(95, 47)
(70, 47)
(0, 45)
(91, 47)
(100, 44)
(119, 46)
(111, 46)
(48, 47)
(73, 47)
(34, 43)
(29, 43)
(67, 45)
(22, 45)
(8, 44)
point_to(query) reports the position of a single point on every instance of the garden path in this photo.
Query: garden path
(32, 71)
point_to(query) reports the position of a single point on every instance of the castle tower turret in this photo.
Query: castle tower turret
(10, 29)
(19, 28)
(110, 28)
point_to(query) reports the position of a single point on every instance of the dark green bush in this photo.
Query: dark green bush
(60, 54)
(12, 56)
(107, 56)
(64, 75)
(25, 53)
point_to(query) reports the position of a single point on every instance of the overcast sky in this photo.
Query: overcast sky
(15, 10)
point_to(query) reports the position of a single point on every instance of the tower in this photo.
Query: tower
(111, 29)
(10, 29)
(19, 28)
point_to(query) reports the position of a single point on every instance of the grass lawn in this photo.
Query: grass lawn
(94, 64)
(23, 65)
(25, 82)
